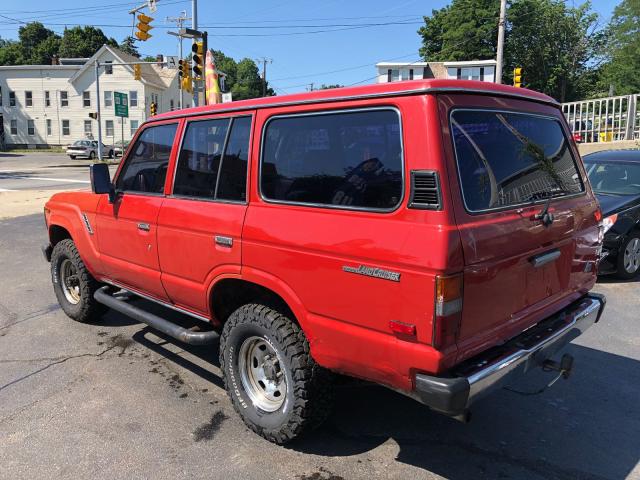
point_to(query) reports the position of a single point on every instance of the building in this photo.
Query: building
(47, 105)
(483, 70)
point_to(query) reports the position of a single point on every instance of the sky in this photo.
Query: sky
(330, 41)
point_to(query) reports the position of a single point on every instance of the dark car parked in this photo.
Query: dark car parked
(615, 178)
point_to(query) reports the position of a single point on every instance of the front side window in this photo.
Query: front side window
(28, 99)
(14, 127)
(66, 129)
(343, 159)
(133, 98)
(31, 127)
(506, 159)
(199, 160)
(12, 99)
(64, 98)
(145, 169)
(109, 127)
(108, 98)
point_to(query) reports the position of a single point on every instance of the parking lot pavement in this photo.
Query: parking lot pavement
(113, 399)
(28, 180)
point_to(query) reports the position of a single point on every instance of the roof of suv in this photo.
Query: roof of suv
(367, 91)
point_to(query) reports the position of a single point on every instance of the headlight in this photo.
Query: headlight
(608, 222)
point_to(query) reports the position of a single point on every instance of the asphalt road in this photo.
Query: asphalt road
(42, 171)
(113, 399)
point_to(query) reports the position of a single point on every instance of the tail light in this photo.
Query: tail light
(577, 137)
(448, 310)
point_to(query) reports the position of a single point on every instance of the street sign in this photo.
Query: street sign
(121, 104)
(172, 62)
(152, 6)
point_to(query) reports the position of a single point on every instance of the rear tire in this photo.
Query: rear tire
(629, 257)
(92, 155)
(73, 284)
(273, 383)
(73, 157)
(111, 154)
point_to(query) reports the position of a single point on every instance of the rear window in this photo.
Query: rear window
(507, 159)
(345, 159)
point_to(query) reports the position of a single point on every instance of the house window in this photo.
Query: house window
(171, 104)
(0, 96)
(64, 98)
(393, 75)
(28, 99)
(133, 98)
(87, 128)
(133, 126)
(47, 99)
(109, 127)
(48, 126)
(14, 127)
(86, 99)
(411, 74)
(389, 75)
(482, 74)
(458, 73)
(12, 99)
(108, 98)
(66, 129)
(31, 127)
(108, 69)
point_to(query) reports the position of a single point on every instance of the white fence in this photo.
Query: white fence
(604, 119)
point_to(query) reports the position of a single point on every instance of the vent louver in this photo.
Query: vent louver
(425, 190)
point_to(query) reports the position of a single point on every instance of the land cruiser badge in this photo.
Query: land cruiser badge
(373, 272)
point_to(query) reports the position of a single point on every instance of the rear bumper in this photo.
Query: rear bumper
(498, 366)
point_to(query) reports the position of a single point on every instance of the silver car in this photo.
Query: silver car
(89, 149)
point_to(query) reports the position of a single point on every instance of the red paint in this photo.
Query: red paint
(367, 327)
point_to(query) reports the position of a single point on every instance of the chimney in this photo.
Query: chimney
(160, 60)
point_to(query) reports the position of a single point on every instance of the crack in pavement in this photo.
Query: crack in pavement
(38, 313)
(57, 362)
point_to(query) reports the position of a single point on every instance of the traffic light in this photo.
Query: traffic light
(143, 27)
(517, 77)
(153, 109)
(198, 58)
(137, 72)
(185, 75)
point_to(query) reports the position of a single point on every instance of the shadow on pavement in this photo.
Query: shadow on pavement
(586, 427)
(10, 155)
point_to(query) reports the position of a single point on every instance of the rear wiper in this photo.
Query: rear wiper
(544, 215)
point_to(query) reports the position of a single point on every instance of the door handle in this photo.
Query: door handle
(144, 226)
(544, 258)
(223, 241)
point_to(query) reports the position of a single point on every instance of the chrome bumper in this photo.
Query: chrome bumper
(482, 374)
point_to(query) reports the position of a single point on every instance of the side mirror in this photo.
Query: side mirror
(101, 181)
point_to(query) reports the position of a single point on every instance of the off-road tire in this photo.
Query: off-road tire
(621, 271)
(309, 395)
(87, 308)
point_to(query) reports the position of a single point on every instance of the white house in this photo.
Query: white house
(483, 70)
(43, 105)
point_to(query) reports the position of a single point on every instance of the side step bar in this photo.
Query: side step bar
(164, 326)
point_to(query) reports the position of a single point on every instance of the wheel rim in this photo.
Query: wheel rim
(262, 376)
(632, 256)
(70, 282)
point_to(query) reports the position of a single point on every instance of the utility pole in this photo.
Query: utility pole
(499, 55)
(180, 22)
(311, 87)
(98, 105)
(194, 25)
(264, 61)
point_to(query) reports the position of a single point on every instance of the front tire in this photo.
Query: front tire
(73, 284)
(273, 382)
(629, 257)
(111, 154)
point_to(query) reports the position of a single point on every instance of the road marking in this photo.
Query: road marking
(7, 190)
(47, 179)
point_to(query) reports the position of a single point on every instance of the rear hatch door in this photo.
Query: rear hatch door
(526, 216)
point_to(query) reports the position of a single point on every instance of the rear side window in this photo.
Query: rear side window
(346, 159)
(145, 169)
(213, 160)
(507, 159)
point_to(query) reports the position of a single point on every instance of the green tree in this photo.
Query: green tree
(463, 30)
(83, 41)
(11, 53)
(242, 78)
(623, 69)
(38, 43)
(128, 45)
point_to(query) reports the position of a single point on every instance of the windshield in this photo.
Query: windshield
(616, 178)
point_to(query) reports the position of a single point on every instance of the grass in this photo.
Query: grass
(36, 150)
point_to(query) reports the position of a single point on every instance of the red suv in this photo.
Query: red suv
(436, 237)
